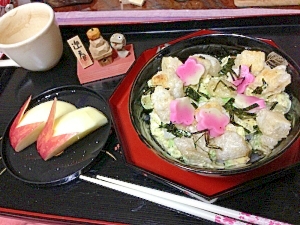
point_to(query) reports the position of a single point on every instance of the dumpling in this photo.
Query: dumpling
(273, 124)
(170, 64)
(192, 154)
(283, 102)
(168, 78)
(211, 64)
(263, 143)
(232, 146)
(160, 79)
(185, 144)
(161, 99)
(275, 79)
(253, 59)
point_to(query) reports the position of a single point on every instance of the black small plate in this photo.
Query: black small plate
(29, 167)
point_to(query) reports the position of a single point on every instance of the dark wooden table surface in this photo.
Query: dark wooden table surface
(107, 5)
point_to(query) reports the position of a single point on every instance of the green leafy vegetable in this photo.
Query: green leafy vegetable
(260, 89)
(195, 95)
(171, 128)
(273, 105)
(240, 113)
(226, 85)
(227, 68)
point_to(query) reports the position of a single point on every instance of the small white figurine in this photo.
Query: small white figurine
(118, 42)
(99, 48)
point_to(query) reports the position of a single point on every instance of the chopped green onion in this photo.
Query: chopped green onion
(273, 105)
(195, 95)
(260, 89)
(222, 82)
(240, 113)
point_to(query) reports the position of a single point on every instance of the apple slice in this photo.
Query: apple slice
(59, 134)
(26, 127)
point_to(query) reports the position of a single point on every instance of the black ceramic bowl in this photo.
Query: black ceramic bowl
(217, 45)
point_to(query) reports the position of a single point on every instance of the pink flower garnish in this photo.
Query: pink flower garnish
(182, 111)
(243, 101)
(213, 120)
(246, 78)
(190, 72)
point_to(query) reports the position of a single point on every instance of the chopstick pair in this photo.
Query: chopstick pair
(190, 206)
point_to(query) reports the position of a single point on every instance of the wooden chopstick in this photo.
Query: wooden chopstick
(190, 206)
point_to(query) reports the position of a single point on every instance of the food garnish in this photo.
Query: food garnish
(54, 125)
(27, 125)
(218, 114)
(58, 134)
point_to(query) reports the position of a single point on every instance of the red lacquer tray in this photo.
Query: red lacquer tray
(139, 155)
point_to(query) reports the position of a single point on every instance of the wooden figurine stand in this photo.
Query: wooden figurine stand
(97, 72)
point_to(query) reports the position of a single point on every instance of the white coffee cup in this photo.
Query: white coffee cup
(30, 36)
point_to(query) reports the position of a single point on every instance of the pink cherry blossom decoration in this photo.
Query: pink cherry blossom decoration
(182, 111)
(190, 72)
(213, 120)
(243, 101)
(246, 78)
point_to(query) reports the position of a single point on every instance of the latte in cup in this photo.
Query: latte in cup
(28, 27)
(30, 36)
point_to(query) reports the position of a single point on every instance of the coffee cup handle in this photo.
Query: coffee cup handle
(8, 62)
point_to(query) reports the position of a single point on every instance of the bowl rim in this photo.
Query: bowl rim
(211, 171)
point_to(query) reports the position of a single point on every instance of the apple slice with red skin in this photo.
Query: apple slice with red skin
(26, 127)
(58, 134)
